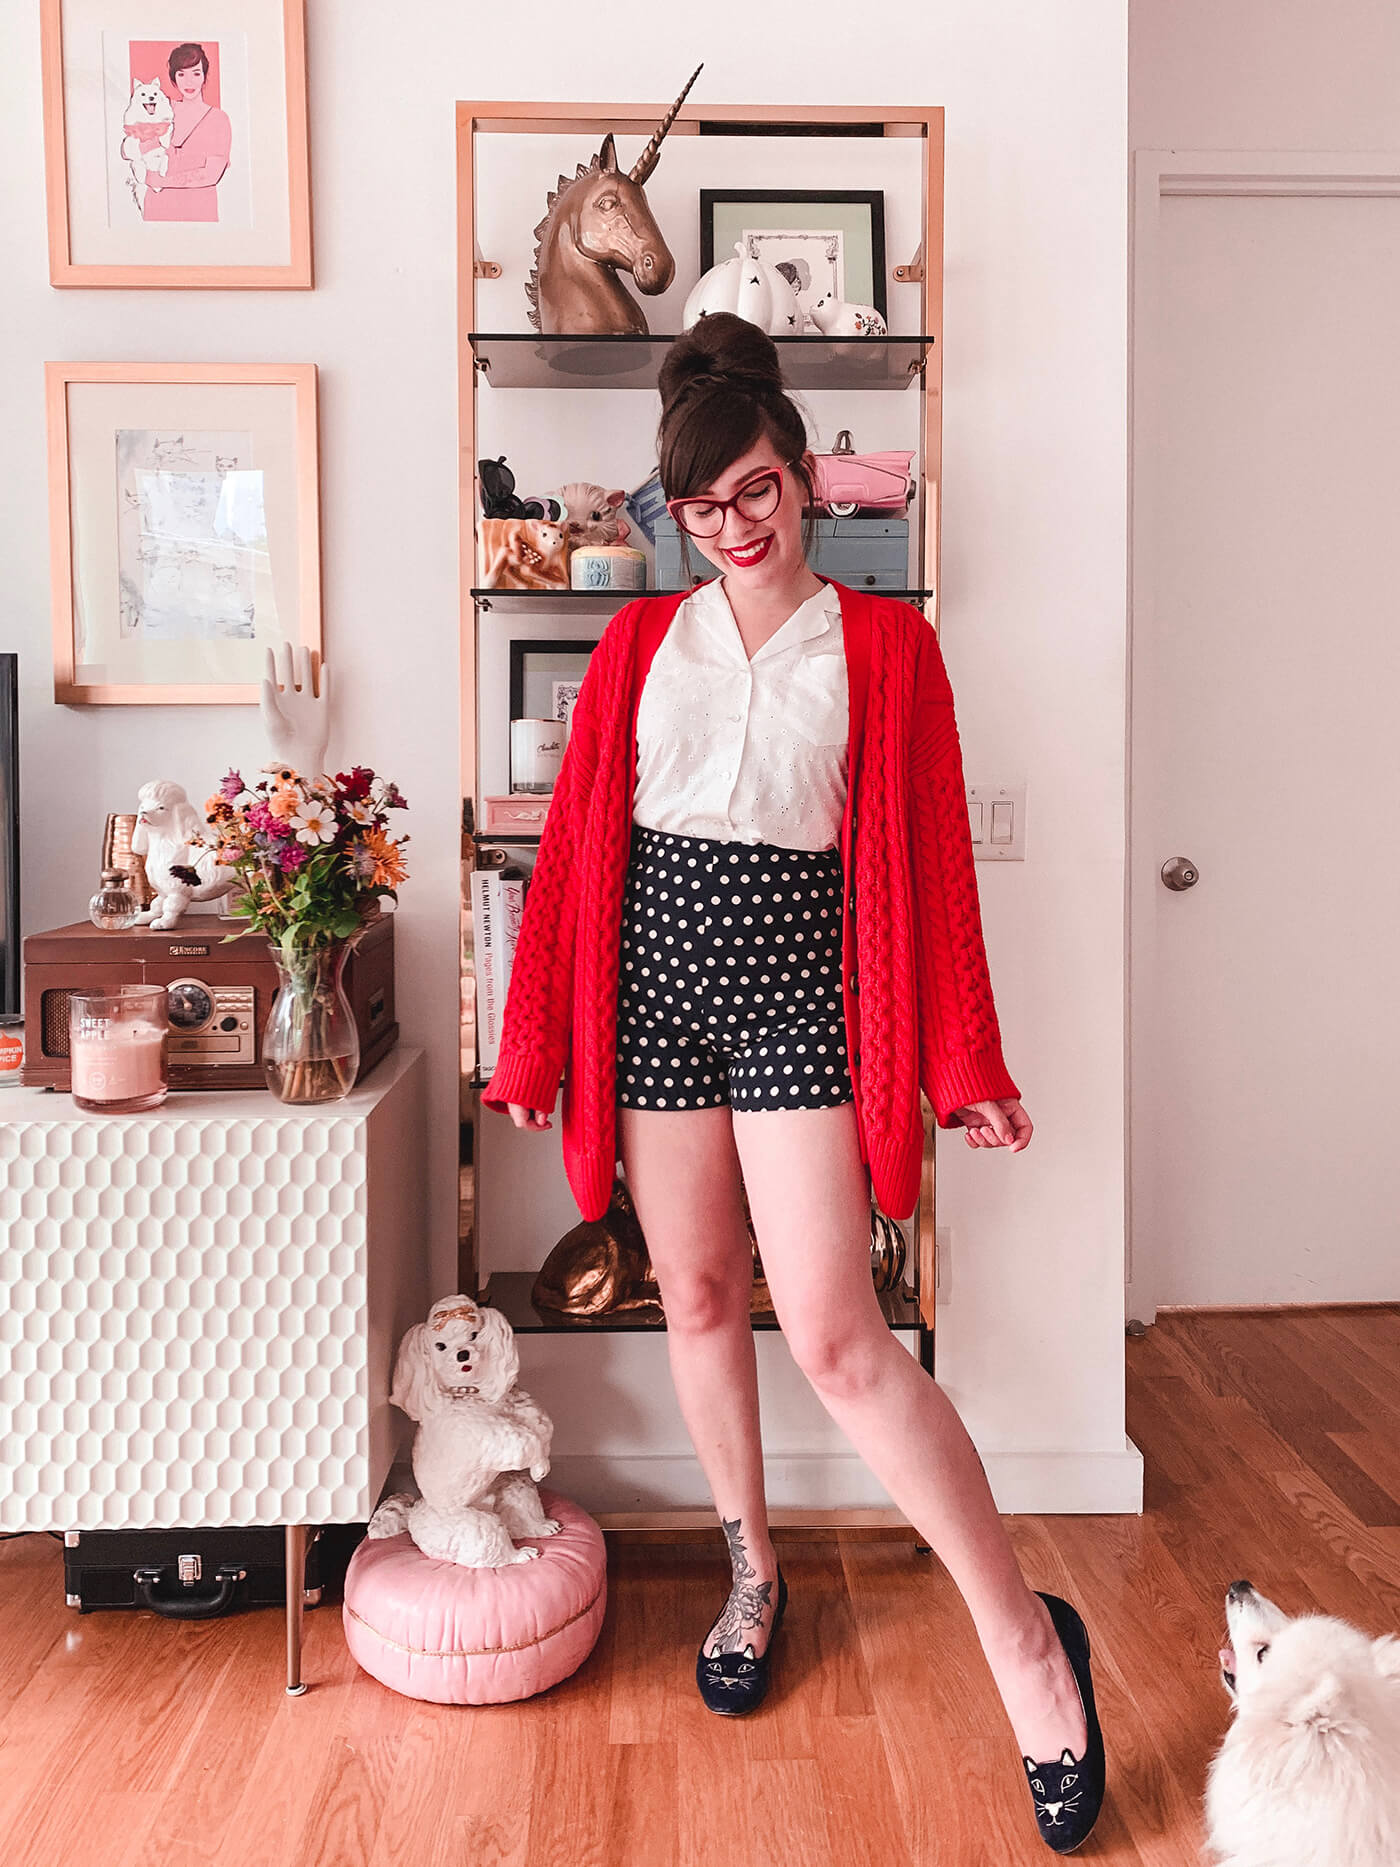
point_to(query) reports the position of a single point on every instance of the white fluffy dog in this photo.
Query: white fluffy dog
(1309, 1772)
(166, 823)
(147, 123)
(481, 1443)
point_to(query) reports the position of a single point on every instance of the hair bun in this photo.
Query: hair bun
(722, 350)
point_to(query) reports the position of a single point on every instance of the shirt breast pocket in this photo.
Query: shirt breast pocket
(816, 702)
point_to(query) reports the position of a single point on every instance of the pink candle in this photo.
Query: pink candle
(126, 1062)
(117, 1043)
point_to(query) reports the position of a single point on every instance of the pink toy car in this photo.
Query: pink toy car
(846, 480)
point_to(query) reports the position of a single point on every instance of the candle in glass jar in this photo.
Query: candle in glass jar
(117, 1046)
(116, 1064)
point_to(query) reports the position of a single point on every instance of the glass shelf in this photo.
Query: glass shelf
(509, 1292)
(525, 360)
(608, 602)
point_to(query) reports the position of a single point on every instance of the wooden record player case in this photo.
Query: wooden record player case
(229, 985)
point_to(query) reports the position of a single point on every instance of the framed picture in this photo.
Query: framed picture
(545, 676)
(184, 528)
(175, 143)
(9, 835)
(822, 239)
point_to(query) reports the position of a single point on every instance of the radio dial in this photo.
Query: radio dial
(191, 1004)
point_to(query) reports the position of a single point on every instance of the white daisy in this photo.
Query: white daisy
(360, 811)
(314, 822)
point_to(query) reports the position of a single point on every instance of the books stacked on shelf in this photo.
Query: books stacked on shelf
(498, 901)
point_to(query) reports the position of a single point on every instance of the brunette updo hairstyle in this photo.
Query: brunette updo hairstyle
(722, 390)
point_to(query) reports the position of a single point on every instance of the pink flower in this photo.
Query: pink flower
(291, 856)
(231, 786)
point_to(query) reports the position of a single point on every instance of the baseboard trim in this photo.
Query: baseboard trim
(1264, 1309)
(668, 1490)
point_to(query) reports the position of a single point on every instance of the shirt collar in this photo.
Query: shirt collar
(812, 617)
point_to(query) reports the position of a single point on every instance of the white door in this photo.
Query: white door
(1264, 1009)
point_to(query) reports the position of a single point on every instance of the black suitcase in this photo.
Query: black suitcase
(193, 1575)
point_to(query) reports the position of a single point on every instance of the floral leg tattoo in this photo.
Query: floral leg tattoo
(747, 1598)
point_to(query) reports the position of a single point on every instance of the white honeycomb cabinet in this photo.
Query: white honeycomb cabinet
(200, 1305)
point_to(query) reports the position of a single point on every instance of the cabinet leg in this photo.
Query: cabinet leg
(296, 1583)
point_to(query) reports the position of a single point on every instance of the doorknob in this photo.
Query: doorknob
(1180, 873)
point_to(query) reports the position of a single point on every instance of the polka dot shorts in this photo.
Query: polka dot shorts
(729, 984)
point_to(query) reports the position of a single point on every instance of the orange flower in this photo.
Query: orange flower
(389, 868)
(284, 802)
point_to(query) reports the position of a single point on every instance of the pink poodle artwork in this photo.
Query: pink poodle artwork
(176, 142)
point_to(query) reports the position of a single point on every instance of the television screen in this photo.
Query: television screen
(9, 834)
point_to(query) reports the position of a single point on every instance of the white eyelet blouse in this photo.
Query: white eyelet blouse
(739, 750)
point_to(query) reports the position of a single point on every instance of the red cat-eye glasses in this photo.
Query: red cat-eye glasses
(757, 498)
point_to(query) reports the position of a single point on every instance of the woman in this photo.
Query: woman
(199, 146)
(744, 1038)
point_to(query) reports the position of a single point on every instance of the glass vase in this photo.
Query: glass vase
(311, 1047)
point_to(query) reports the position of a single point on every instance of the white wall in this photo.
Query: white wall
(1030, 1347)
(1263, 74)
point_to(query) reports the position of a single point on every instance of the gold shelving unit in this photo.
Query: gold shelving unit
(901, 363)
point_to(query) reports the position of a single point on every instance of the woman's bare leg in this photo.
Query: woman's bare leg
(811, 1211)
(683, 1174)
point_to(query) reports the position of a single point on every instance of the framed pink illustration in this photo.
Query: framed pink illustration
(175, 143)
(184, 528)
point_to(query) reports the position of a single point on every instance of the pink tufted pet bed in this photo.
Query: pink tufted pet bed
(458, 1636)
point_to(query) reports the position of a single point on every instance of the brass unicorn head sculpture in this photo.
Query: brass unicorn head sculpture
(595, 222)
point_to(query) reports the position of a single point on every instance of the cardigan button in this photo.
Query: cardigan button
(855, 985)
(855, 1059)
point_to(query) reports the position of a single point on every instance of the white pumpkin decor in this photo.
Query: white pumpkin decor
(750, 289)
(834, 317)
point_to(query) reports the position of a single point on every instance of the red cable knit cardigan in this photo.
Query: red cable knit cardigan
(918, 1001)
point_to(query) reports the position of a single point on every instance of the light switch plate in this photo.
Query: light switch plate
(991, 810)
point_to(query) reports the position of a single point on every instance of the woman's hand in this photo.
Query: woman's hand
(1003, 1123)
(527, 1118)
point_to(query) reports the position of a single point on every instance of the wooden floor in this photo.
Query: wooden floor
(1272, 1447)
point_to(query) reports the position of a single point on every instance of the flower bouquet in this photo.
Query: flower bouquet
(313, 859)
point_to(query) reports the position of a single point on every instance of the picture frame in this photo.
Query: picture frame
(184, 528)
(826, 239)
(10, 949)
(172, 161)
(543, 670)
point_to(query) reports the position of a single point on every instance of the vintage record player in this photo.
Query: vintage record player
(220, 994)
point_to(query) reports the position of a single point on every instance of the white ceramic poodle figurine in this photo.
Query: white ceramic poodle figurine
(481, 1443)
(166, 823)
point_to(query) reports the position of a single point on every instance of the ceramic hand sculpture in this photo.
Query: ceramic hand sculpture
(167, 824)
(296, 717)
(481, 1445)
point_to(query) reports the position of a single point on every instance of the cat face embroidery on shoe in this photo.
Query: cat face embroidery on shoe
(1056, 1786)
(742, 1665)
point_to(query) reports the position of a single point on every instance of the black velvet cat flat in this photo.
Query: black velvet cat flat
(1068, 1793)
(734, 1683)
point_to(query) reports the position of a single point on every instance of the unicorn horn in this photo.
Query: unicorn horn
(646, 162)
